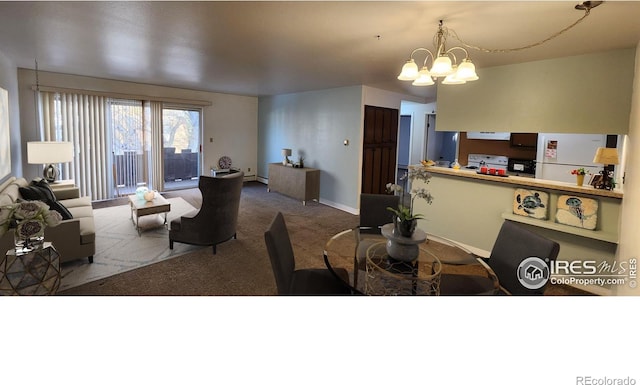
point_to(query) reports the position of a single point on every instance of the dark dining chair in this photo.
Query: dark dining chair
(373, 215)
(513, 245)
(290, 281)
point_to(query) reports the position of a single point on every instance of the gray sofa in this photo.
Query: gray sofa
(73, 238)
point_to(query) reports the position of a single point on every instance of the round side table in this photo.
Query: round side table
(403, 248)
(34, 273)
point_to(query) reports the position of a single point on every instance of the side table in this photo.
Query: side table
(389, 276)
(33, 273)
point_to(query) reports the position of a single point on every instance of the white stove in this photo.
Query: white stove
(475, 161)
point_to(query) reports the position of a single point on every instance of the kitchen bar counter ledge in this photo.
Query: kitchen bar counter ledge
(529, 182)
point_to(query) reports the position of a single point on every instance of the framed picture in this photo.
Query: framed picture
(577, 211)
(595, 179)
(530, 203)
(5, 139)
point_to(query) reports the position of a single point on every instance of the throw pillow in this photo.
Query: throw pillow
(42, 192)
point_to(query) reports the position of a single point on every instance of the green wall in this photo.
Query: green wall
(470, 211)
(577, 94)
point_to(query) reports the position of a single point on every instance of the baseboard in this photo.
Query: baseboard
(325, 202)
(339, 206)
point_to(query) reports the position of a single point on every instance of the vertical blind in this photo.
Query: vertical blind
(79, 119)
(101, 129)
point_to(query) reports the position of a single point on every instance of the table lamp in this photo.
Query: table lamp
(606, 156)
(286, 153)
(49, 154)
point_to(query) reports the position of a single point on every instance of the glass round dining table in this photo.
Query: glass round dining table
(443, 267)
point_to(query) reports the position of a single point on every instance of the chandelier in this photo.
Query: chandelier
(442, 64)
(459, 70)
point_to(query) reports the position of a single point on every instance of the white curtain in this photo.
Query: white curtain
(81, 120)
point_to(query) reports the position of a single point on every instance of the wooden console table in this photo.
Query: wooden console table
(298, 183)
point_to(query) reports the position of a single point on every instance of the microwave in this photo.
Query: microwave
(523, 166)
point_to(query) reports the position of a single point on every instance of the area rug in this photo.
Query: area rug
(119, 248)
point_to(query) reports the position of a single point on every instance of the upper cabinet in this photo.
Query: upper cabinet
(556, 95)
(524, 140)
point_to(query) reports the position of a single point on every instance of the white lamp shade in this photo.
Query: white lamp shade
(442, 67)
(49, 152)
(424, 78)
(286, 152)
(453, 78)
(409, 71)
(466, 71)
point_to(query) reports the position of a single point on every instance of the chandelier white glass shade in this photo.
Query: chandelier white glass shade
(444, 64)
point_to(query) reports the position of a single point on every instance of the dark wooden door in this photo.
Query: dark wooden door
(379, 148)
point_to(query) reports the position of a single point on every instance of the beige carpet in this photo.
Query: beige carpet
(119, 248)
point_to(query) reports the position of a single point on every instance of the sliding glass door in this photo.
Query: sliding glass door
(122, 144)
(125, 121)
(181, 128)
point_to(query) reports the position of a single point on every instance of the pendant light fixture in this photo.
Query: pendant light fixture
(444, 64)
(460, 69)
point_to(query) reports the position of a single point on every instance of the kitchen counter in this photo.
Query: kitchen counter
(529, 182)
(470, 209)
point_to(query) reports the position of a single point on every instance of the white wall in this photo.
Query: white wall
(629, 246)
(9, 81)
(231, 120)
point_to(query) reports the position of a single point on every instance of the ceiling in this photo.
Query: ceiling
(266, 47)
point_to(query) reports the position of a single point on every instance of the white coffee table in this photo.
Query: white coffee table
(142, 207)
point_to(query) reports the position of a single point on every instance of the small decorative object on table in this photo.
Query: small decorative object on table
(286, 153)
(149, 195)
(579, 173)
(140, 191)
(28, 219)
(29, 268)
(405, 220)
(402, 248)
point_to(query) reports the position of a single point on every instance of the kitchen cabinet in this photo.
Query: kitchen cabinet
(524, 140)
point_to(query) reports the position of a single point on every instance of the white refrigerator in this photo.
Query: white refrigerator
(558, 154)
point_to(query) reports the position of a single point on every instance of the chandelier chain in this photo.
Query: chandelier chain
(587, 11)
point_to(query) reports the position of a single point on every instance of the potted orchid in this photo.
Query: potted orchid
(405, 221)
(29, 220)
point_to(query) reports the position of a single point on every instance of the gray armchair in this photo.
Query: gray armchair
(217, 219)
